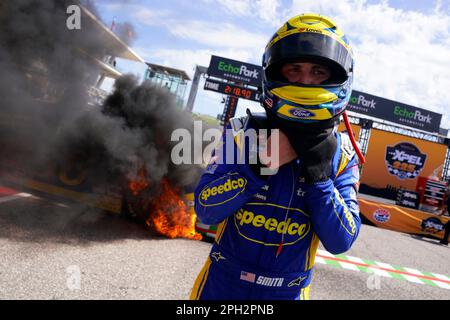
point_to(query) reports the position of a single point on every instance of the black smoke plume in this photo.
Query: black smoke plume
(45, 119)
(126, 32)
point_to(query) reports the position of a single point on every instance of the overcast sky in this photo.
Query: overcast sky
(402, 47)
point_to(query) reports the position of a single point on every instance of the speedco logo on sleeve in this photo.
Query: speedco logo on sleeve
(224, 190)
(254, 226)
(347, 214)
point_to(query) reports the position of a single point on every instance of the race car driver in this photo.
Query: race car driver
(270, 225)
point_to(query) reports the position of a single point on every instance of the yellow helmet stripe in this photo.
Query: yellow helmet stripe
(306, 96)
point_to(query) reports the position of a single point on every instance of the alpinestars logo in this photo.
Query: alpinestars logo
(218, 256)
(296, 282)
(404, 160)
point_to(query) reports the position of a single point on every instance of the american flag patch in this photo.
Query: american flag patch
(248, 276)
(269, 102)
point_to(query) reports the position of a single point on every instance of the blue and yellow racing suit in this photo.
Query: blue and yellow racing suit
(269, 229)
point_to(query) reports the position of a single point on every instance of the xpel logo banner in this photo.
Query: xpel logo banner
(404, 160)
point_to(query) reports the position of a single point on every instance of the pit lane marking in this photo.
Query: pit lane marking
(383, 269)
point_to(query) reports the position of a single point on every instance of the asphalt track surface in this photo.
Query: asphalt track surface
(54, 250)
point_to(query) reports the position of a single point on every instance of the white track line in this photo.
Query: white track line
(413, 271)
(15, 197)
(356, 260)
(325, 253)
(380, 272)
(349, 266)
(412, 278)
(413, 275)
(440, 276)
(441, 284)
(385, 265)
(319, 260)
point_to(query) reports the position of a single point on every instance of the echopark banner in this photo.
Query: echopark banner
(236, 71)
(394, 111)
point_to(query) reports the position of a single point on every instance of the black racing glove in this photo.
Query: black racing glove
(315, 145)
(258, 121)
(316, 162)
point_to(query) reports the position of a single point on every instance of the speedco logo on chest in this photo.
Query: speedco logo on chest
(254, 226)
(222, 190)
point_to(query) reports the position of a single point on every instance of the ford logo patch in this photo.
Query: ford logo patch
(301, 113)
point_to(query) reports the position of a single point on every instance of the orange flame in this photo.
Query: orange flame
(136, 186)
(171, 217)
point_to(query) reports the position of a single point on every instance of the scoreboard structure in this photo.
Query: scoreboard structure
(237, 80)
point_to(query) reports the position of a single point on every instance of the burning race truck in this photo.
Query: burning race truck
(61, 135)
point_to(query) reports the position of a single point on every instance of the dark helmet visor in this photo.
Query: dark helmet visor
(309, 46)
